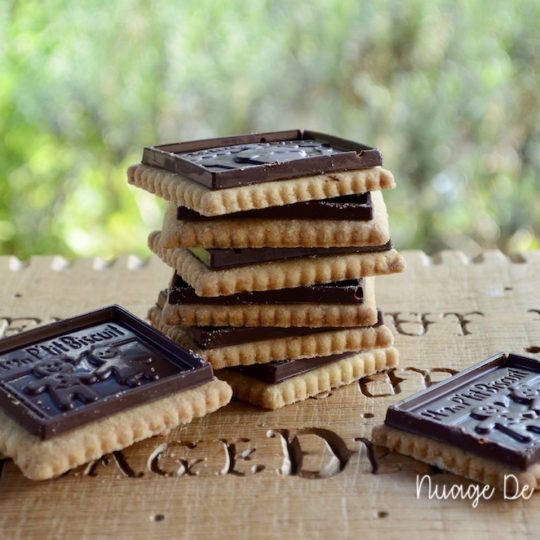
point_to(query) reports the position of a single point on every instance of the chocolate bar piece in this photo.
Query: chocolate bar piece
(218, 259)
(276, 372)
(64, 375)
(252, 159)
(209, 337)
(491, 409)
(353, 207)
(343, 292)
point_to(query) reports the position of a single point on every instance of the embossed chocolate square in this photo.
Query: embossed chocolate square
(64, 375)
(491, 409)
(262, 157)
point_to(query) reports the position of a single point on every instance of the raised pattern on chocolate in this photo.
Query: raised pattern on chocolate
(66, 374)
(491, 409)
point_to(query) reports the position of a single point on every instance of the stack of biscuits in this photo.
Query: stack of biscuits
(274, 240)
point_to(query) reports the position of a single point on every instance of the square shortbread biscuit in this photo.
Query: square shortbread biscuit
(301, 387)
(42, 459)
(282, 315)
(183, 192)
(256, 233)
(268, 350)
(283, 274)
(457, 461)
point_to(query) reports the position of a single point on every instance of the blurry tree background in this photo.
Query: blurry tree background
(449, 91)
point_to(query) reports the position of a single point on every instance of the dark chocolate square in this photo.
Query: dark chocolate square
(341, 292)
(218, 258)
(61, 376)
(279, 371)
(209, 337)
(262, 157)
(358, 207)
(491, 409)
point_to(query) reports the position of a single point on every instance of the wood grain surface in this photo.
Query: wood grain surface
(306, 471)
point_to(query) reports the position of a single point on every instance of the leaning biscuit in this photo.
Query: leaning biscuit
(40, 460)
(256, 233)
(181, 191)
(256, 352)
(276, 274)
(301, 387)
(455, 460)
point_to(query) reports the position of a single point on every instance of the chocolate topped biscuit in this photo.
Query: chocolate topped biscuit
(262, 157)
(491, 409)
(217, 259)
(207, 337)
(358, 207)
(343, 292)
(67, 374)
(276, 372)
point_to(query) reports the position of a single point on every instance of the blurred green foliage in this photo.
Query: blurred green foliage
(448, 90)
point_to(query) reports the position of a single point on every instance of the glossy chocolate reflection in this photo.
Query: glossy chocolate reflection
(218, 259)
(342, 292)
(348, 207)
(262, 157)
(209, 337)
(276, 372)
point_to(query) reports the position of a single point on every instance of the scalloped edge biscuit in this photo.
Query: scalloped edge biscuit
(287, 348)
(305, 271)
(282, 315)
(301, 387)
(40, 460)
(257, 233)
(453, 459)
(184, 192)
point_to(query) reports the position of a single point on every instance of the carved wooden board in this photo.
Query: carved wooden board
(306, 471)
